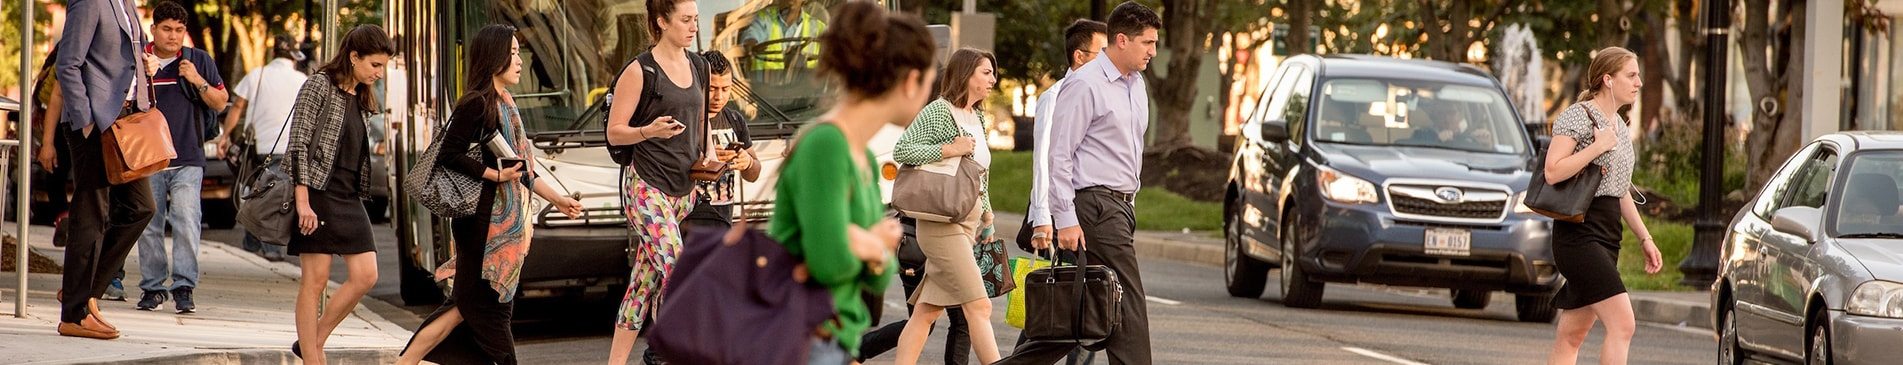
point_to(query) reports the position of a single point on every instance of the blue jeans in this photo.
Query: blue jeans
(175, 202)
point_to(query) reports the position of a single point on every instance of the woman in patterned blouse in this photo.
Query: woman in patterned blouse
(952, 127)
(1592, 134)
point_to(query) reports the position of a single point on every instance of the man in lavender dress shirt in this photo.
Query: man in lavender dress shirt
(1096, 146)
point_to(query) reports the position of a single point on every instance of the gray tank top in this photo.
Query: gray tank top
(666, 164)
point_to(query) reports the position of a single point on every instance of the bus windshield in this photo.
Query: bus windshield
(571, 54)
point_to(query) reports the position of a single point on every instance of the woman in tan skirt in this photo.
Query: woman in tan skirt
(952, 127)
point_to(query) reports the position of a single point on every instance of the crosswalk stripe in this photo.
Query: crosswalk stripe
(1381, 356)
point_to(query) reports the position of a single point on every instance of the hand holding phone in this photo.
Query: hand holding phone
(664, 127)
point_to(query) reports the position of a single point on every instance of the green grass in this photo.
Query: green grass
(1156, 209)
(1673, 240)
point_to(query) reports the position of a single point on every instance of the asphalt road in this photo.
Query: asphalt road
(1193, 321)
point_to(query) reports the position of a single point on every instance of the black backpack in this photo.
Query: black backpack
(644, 113)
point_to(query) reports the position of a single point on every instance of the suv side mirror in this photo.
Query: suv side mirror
(1797, 221)
(1275, 130)
(1541, 142)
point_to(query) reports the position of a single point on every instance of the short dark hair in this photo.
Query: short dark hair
(1131, 19)
(1077, 35)
(168, 10)
(717, 63)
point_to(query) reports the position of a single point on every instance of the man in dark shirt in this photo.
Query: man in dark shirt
(728, 128)
(190, 92)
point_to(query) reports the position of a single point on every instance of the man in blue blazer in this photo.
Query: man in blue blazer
(103, 75)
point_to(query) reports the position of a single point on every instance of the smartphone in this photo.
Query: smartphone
(506, 163)
(735, 146)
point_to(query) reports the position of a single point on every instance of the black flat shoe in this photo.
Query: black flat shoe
(297, 350)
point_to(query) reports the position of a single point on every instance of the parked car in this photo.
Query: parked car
(1362, 169)
(1813, 268)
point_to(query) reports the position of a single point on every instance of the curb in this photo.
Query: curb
(260, 356)
(1188, 252)
(1672, 312)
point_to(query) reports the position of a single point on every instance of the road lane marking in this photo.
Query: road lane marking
(1381, 356)
(1162, 301)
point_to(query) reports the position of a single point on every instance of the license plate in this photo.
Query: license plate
(1449, 241)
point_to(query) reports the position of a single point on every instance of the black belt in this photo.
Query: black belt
(1125, 197)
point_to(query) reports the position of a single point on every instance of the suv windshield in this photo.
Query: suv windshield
(1417, 113)
(1869, 206)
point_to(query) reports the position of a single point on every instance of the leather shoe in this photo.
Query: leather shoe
(87, 329)
(92, 308)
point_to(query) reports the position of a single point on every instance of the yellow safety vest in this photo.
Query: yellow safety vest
(808, 29)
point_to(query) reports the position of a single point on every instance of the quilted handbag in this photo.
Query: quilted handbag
(446, 193)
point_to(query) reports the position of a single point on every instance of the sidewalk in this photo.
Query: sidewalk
(1681, 309)
(244, 317)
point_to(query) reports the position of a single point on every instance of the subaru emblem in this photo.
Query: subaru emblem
(1448, 194)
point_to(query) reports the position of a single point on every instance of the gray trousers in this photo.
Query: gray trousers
(1109, 223)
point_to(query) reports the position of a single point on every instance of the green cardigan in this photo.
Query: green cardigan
(819, 193)
(934, 128)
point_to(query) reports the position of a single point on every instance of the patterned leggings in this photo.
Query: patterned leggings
(654, 222)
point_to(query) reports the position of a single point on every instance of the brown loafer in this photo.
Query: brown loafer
(87, 330)
(92, 308)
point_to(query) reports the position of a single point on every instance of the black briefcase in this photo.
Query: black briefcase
(1077, 303)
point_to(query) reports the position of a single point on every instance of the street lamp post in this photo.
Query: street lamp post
(24, 197)
(1700, 267)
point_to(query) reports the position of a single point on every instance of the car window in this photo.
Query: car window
(1774, 190)
(1873, 181)
(1295, 110)
(1278, 103)
(1384, 112)
(1812, 186)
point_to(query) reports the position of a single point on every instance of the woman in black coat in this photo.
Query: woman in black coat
(472, 326)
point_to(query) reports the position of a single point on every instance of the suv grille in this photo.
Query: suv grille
(1471, 203)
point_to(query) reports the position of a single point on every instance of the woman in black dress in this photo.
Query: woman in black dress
(1592, 134)
(329, 157)
(472, 326)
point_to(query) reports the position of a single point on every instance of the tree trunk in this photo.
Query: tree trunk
(1301, 15)
(1656, 57)
(1774, 135)
(1611, 17)
(1187, 24)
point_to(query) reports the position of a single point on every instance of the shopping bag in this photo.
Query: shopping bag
(1020, 265)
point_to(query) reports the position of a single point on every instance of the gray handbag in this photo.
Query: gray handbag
(446, 193)
(944, 191)
(265, 203)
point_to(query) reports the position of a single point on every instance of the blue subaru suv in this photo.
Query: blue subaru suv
(1362, 169)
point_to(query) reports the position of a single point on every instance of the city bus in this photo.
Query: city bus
(571, 51)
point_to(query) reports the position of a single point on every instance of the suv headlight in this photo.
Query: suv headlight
(1877, 299)
(1340, 187)
(1519, 203)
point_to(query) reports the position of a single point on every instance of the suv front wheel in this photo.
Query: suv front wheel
(1244, 276)
(1298, 291)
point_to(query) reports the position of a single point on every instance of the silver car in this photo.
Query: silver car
(1813, 268)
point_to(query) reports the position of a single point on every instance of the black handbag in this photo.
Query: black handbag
(1079, 303)
(1569, 199)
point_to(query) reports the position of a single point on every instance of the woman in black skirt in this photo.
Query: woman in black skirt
(1592, 134)
(329, 157)
(472, 326)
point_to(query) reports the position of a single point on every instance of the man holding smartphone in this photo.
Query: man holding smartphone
(733, 146)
